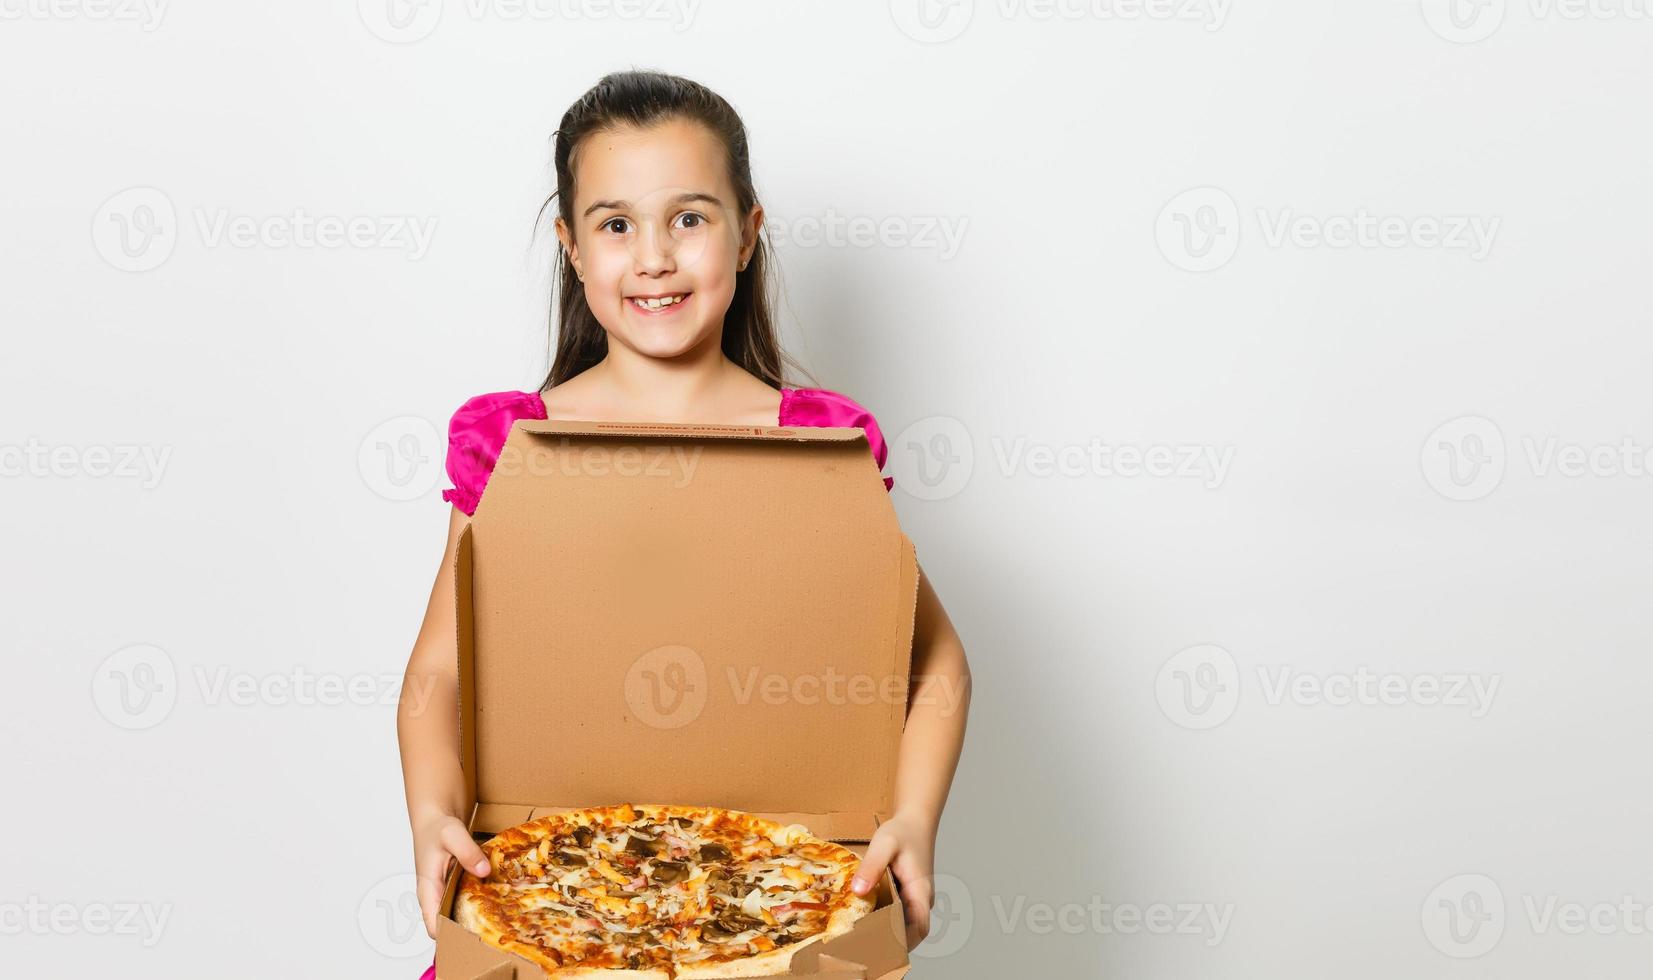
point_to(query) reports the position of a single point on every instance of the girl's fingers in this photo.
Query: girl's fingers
(917, 891)
(917, 928)
(917, 896)
(429, 889)
(458, 841)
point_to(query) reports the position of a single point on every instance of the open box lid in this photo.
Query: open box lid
(673, 613)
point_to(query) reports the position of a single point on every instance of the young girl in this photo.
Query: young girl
(663, 317)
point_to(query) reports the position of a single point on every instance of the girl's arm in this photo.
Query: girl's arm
(938, 703)
(427, 726)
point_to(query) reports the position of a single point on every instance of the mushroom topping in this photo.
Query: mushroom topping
(568, 858)
(738, 921)
(669, 872)
(642, 846)
(714, 852)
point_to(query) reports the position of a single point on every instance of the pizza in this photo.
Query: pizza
(647, 892)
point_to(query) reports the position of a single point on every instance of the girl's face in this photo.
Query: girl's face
(657, 235)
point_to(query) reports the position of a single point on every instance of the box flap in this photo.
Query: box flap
(667, 613)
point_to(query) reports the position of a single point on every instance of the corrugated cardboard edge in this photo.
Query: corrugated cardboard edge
(798, 433)
(907, 628)
(465, 635)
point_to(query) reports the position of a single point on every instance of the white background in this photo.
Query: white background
(1105, 776)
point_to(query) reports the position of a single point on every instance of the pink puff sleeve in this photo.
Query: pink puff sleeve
(475, 435)
(818, 406)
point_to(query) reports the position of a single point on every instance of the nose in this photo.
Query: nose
(654, 250)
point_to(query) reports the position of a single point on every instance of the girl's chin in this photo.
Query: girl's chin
(663, 340)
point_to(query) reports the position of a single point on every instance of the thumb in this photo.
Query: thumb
(872, 866)
(458, 842)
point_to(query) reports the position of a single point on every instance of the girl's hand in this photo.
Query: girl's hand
(906, 844)
(436, 838)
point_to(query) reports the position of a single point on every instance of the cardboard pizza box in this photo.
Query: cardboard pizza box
(691, 614)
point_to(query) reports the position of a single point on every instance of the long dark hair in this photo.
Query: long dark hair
(642, 99)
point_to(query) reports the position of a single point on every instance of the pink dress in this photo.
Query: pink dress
(478, 430)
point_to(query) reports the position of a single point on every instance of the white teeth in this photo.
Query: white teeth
(655, 304)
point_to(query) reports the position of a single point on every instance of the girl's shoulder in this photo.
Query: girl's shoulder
(476, 432)
(822, 406)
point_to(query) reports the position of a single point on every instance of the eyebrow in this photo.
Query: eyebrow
(625, 205)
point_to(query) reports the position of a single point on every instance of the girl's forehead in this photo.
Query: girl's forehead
(634, 165)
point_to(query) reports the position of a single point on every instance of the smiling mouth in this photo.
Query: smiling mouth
(658, 304)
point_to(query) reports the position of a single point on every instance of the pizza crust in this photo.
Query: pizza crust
(775, 961)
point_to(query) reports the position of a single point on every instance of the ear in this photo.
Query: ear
(570, 249)
(749, 230)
